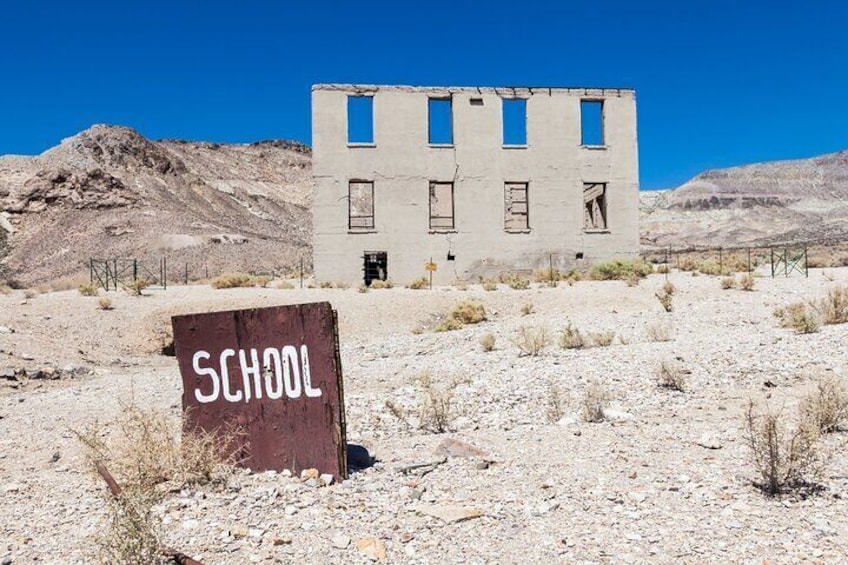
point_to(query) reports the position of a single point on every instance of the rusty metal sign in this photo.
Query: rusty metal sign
(430, 266)
(273, 374)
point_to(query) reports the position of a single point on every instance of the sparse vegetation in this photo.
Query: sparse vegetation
(555, 403)
(727, 282)
(602, 338)
(518, 283)
(659, 331)
(489, 286)
(666, 300)
(105, 303)
(30, 293)
(487, 342)
(593, 402)
(89, 289)
(285, 285)
(378, 284)
(669, 288)
(532, 341)
(620, 269)
(784, 457)
(527, 308)
(461, 314)
(798, 316)
(826, 407)
(232, 280)
(325, 284)
(437, 409)
(262, 280)
(672, 375)
(747, 281)
(417, 284)
(571, 338)
(834, 306)
(136, 287)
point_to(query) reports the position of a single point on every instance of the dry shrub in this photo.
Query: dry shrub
(285, 285)
(527, 308)
(672, 375)
(593, 402)
(417, 284)
(143, 449)
(571, 338)
(659, 331)
(262, 280)
(711, 267)
(397, 411)
(378, 284)
(784, 457)
(518, 283)
(826, 408)
(489, 286)
(363, 288)
(232, 280)
(436, 407)
(620, 269)
(449, 324)
(727, 283)
(665, 300)
(30, 293)
(105, 303)
(136, 287)
(602, 338)
(663, 269)
(487, 342)
(546, 276)
(89, 289)
(555, 403)
(747, 281)
(798, 316)
(834, 306)
(633, 280)
(460, 285)
(325, 284)
(468, 312)
(668, 288)
(532, 341)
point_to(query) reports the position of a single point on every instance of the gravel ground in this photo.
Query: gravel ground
(666, 479)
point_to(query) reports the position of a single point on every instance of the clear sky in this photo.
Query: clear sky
(718, 83)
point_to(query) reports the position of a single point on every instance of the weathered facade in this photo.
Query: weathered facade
(481, 180)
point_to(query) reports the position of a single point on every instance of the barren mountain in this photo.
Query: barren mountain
(797, 201)
(108, 192)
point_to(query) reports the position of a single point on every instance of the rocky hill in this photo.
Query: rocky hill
(108, 192)
(804, 200)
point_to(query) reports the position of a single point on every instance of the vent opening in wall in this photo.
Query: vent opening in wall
(451, 256)
(579, 255)
(476, 101)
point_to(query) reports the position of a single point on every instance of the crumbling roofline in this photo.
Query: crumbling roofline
(517, 91)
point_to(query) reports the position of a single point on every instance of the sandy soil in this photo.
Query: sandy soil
(636, 489)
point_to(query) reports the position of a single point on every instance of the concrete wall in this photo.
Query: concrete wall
(401, 164)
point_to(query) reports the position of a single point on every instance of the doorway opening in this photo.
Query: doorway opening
(376, 266)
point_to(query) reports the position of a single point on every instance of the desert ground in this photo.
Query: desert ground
(666, 478)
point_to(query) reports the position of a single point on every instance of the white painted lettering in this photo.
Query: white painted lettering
(273, 364)
(208, 371)
(229, 396)
(307, 375)
(291, 372)
(254, 369)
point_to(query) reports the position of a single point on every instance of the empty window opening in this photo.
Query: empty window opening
(439, 121)
(376, 266)
(591, 122)
(361, 205)
(595, 206)
(441, 206)
(579, 255)
(360, 119)
(476, 101)
(516, 217)
(514, 121)
(451, 256)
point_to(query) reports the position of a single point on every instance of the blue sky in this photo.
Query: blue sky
(718, 83)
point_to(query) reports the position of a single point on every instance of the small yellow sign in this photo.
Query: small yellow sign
(430, 267)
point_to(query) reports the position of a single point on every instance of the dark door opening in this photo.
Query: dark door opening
(376, 266)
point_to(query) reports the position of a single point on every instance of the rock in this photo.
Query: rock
(314, 483)
(8, 374)
(341, 541)
(190, 524)
(6, 561)
(358, 457)
(6, 330)
(566, 421)
(709, 441)
(326, 479)
(372, 548)
(56, 456)
(27, 357)
(455, 448)
(290, 510)
(285, 540)
(615, 415)
(448, 513)
(310, 474)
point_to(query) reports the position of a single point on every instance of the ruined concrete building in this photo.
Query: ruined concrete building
(470, 182)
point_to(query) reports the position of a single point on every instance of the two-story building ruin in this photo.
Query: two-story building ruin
(473, 181)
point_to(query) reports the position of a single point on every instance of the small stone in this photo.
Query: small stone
(6, 561)
(256, 533)
(341, 541)
(190, 524)
(310, 474)
(290, 510)
(373, 548)
(314, 483)
(455, 448)
(6, 330)
(27, 357)
(55, 457)
(326, 478)
(285, 540)
(449, 513)
(566, 421)
(709, 441)
(286, 473)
